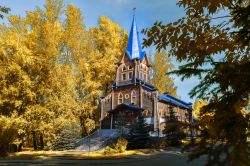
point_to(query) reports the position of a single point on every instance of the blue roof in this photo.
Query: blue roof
(149, 88)
(174, 100)
(126, 106)
(134, 49)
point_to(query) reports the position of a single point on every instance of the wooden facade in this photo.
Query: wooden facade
(132, 87)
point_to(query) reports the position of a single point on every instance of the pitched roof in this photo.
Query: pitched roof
(134, 49)
(176, 101)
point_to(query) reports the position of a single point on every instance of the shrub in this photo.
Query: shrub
(119, 147)
(174, 132)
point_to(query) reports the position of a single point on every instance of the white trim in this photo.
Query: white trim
(126, 96)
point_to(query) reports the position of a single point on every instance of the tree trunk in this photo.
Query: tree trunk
(83, 132)
(34, 140)
(41, 142)
(20, 147)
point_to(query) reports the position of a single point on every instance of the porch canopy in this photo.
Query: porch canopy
(125, 106)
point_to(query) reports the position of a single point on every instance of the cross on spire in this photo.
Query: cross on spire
(134, 11)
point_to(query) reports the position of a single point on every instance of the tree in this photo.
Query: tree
(138, 136)
(198, 104)
(216, 49)
(67, 138)
(161, 65)
(3, 10)
(33, 82)
(52, 69)
(174, 132)
(110, 41)
(10, 128)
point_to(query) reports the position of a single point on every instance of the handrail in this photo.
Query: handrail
(87, 137)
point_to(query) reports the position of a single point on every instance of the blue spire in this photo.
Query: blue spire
(134, 49)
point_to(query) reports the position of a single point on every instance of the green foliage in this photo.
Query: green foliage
(138, 137)
(3, 10)
(216, 49)
(174, 132)
(119, 147)
(67, 138)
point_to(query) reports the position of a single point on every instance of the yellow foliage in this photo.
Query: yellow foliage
(52, 70)
(161, 65)
(198, 104)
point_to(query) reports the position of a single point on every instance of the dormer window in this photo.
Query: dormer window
(130, 67)
(124, 68)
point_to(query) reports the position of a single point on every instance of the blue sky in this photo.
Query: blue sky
(120, 11)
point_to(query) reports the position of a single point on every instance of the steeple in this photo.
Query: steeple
(134, 49)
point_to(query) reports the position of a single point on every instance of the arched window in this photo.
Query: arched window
(133, 97)
(120, 98)
(130, 67)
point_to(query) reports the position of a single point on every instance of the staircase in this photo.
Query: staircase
(97, 140)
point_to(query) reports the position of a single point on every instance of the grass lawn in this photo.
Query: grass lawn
(75, 154)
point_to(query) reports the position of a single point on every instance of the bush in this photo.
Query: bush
(158, 143)
(119, 147)
(174, 133)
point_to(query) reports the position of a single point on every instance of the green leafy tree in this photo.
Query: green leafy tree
(138, 136)
(216, 49)
(3, 10)
(161, 65)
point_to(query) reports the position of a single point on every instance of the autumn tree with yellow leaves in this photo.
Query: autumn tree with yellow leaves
(214, 48)
(52, 72)
(161, 65)
(197, 107)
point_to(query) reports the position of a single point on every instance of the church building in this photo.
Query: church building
(132, 92)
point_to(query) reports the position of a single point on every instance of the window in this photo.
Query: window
(130, 67)
(124, 68)
(145, 77)
(133, 97)
(123, 76)
(130, 75)
(120, 98)
(143, 67)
